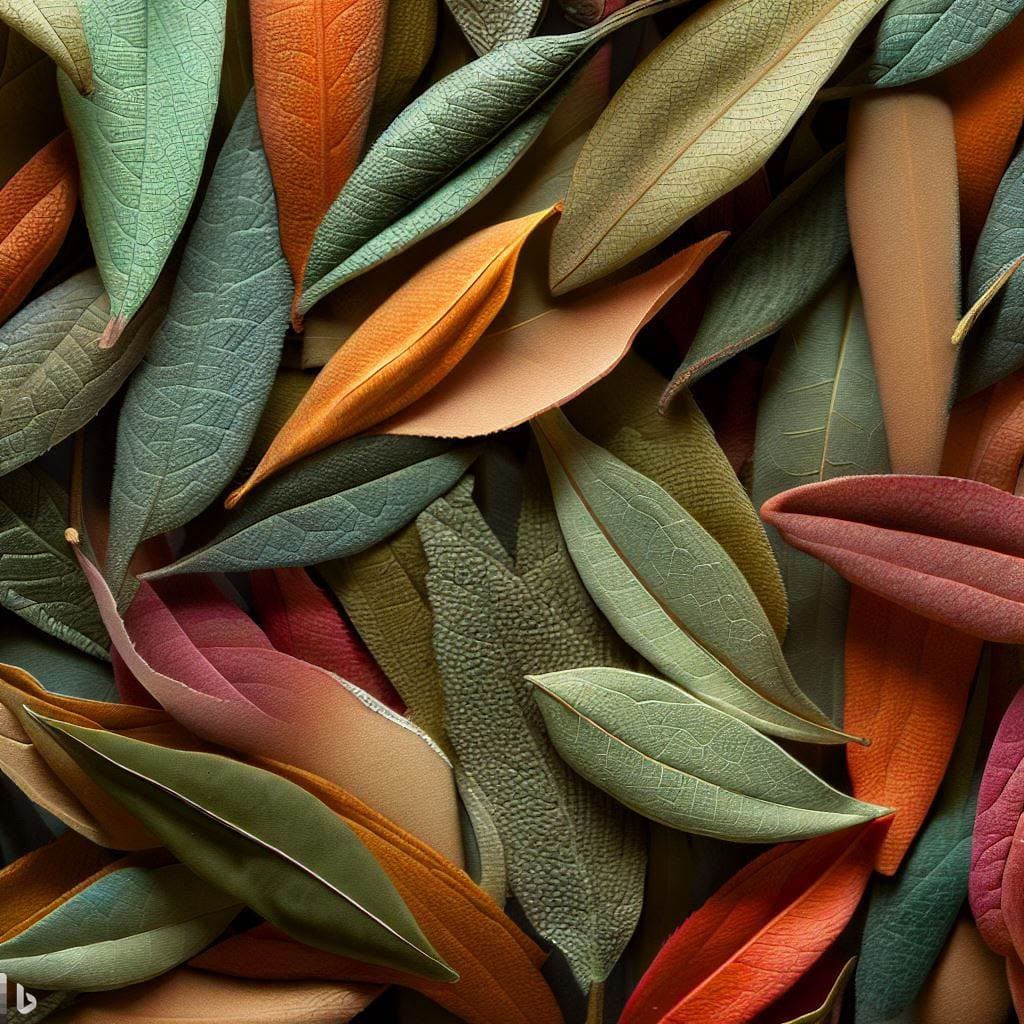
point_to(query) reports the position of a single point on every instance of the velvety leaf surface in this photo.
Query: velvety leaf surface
(55, 26)
(492, 22)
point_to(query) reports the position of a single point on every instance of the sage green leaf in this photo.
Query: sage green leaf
(995, 347)
(39, 578)
(141, 135)
(695, 119)
(685, 764)
(126, 927)
(55, 26)
(449, 147)
(783, 260)
(335, 503)
(669, 589)
(819, 417)
(488, 23)
(919, 38)
(911, 914)
(575, 858)
(54, 377)
(263, 840)
(193, 405)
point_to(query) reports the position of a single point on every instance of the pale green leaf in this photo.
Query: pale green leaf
(488, 23)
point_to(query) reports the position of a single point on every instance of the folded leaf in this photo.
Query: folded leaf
(492, 22)
(55, 26)
(669, 589)
(901, 200)
(652, 162)
(35, 210)
(405, 348)
(778, 265)
(156, 80)
(755, 937)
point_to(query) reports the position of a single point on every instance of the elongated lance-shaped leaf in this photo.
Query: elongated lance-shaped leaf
(443, 153)
(191, 409)
(263, 840)
(669, 588)
(141, 135)
(55, 26)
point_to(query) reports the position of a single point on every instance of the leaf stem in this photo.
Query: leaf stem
(595, 1003)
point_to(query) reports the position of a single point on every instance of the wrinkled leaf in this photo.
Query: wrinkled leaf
(55, 26)
(488, 23)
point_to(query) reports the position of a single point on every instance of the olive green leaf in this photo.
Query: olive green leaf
(777, 266)
(918, 38)
(192, 406)
(39, 578)
(819, 417)
(54, 377)
(695, 119)
(55, 26)
(126, 927)
(442, 153)
(575, 858)
(487, 23)
(685, 764)
(669, 588)
(263, 840)
(335, 503)
(141, 135)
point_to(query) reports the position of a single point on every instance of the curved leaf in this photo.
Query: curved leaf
(488, 23)
(55, 26)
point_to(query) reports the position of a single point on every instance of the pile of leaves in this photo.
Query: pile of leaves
(509, 511)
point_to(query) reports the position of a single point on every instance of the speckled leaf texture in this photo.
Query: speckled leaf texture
(703, 112)
(575, 858)
(192, 406)
(819, 418)
(55, 26)
(141, 134)
(487, 23)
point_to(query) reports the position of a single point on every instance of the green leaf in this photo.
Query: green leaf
(685, 764)
(39, 578)
(141, 136)
(444, 152)
(919, 38)
(54, 377)
(669, 589)
(263, 840)
(126, 927)
(192, 407)
(776, 268)
(575, 858)
(695, 119)
(335, 503)
(55, 26)
(488, 23)
(819, 417)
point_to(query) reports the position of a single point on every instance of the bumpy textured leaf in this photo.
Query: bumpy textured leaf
(55, 26)
(748, 70)
(409, 38)
(669, 589)
(335, 503)
(776, 268)
(155, 72)
(684, 763)
(819, 418)
(488, 23)
(918, 38)
(575, 859)
(193, 405)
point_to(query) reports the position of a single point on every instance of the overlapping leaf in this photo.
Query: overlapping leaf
(489, 23)
(55, 26)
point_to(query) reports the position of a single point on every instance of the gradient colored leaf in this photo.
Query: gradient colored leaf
(55, 26)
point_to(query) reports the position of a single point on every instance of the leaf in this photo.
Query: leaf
(901, 200)
(409, 38)
(127, 926)
(755, 937)
(55, 26)
(737, 63)
(575, 859)
(315, 66)
(669, 589)
(775, 270)
(156, 72)
(263, 840)
(919, 38)
(819, 418)
(531, 361)
(999, 446)
(829, 1011)
(589, 12)
(336, 503)
(405, 348)
(38, 580)
(236, 71)
(945, 548)
(391, 200)
(191, 409)
(35, 210)
(489, 23)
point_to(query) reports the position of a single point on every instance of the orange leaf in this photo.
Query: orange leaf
(406, 347)
(999, 450)
(315, 63)
(35, 210)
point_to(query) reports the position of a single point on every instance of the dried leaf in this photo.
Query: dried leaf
(55, 26)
